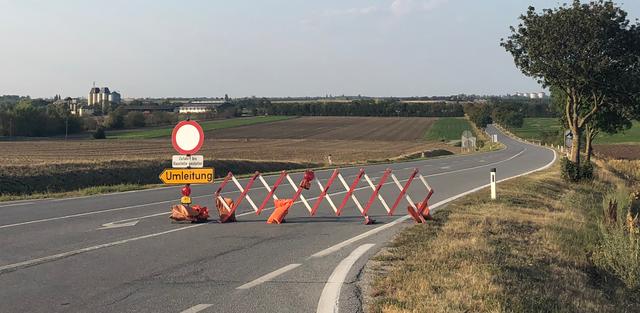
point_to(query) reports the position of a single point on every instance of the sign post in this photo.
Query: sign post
(493, 184)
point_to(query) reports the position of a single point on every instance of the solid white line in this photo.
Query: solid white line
(330, 296)
(196, 308)
(16, 204)
(268, 277)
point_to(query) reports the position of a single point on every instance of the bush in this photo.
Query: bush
(586, 171)
(571, 172)
(99, 133)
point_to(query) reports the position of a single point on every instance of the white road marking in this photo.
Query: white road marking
(445, 167)
(119, 225)
(16, 204)
(196, 308)
(268, 277)
(331, 293)
(366, 234)
(58, 256)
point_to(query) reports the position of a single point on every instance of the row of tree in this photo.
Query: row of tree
(360, 107)
(589, 55)
(22, 116)
(509, 112)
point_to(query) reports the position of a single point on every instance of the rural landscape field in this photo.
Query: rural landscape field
(243, 143)
(623, 145)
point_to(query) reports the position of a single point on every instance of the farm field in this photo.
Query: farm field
(334, 128)
(447, 129)
(305, 139)
(206, 126)
(534, 128)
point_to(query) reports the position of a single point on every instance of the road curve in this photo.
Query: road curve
(119, 252)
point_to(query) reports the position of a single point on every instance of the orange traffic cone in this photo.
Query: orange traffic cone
(225, 215)
(282, 208)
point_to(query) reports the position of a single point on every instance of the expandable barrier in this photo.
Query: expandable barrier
(419, 211)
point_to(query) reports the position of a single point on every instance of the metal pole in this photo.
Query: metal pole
(493, 184)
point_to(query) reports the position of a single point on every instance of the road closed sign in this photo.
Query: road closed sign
(174, 176)
(187, 137)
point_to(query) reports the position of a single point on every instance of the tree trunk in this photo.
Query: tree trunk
(588, 149)
(575, 145)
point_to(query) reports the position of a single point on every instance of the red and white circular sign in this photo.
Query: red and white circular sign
(187, 137)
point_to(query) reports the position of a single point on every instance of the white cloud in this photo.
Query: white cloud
(402, 7)
(351, 11)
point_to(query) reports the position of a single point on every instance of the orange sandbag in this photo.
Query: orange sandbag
(420, 218)
(200, 213)
(426, 213)
(282, 208)
(179, 213)
(225, 215)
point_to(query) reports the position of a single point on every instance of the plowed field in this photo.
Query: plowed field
(306, 139)
(334, 128)
(618, 151)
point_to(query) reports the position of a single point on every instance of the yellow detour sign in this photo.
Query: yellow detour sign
(178, 176)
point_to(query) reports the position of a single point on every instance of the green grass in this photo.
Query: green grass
(630, 136)
(448, 128)
(534, 127)
(206, 126)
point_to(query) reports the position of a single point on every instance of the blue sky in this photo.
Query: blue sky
(264, 48)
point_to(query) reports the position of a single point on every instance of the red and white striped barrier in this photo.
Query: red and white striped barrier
(419, 211)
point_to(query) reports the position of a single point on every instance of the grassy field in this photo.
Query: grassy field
(447, 129)
(533, 128)
(538, 248)
(206, 126)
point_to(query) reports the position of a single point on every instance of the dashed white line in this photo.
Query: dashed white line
(268, 277)
(331, 293)
(196, 308)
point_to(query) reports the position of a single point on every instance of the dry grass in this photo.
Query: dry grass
(526, 252)
(628, 169)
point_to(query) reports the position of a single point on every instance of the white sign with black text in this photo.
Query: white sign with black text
(184, 161)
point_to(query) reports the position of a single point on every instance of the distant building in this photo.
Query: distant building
(195, 109)
(532, 95)
(103, 96)
(84, 111)
(149, 108)
(73, 104)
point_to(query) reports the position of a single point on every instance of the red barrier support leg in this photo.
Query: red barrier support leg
(403, 191)
(350, 190)
(324, 192)
(376, 191)
(272, 190)
(241, 197)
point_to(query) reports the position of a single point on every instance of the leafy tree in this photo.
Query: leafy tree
(115, 120)
(589, 51)
(134, 119)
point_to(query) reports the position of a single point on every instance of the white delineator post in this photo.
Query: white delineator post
(493, 184)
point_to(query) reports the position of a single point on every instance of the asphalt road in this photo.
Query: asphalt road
(57, 255)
